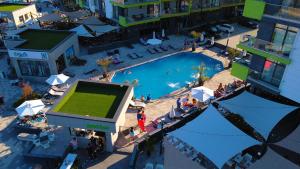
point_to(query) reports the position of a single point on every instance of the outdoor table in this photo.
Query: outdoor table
(68, 162)
(26, 137)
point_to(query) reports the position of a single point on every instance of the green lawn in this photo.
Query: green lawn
(42, 39)
(10, 7)
(92, 99)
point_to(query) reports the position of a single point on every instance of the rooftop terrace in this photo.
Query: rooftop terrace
(92, 99)
(42, 39)
(4, 7)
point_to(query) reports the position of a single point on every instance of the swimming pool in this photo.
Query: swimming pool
(163, 76)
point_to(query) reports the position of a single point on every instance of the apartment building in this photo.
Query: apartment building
(275, 63)
(139, 15)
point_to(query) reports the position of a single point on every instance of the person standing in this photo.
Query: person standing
(178, 103)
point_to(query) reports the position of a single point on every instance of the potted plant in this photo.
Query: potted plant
(201, 74)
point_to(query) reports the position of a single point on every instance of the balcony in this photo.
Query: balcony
(173, 12)
(268, 83)
(265, 49)
(137, 19)
(134, 3)
(198, 6)
(284, 12)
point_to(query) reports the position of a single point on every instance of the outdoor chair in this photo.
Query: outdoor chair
(90, 72)
(55, 93)
(151, 51)
(172, 47)
(137, 55)
(149, 166)
(159, 166)
(131, 56)
(157, 50)
(163, 48)
(137, 104)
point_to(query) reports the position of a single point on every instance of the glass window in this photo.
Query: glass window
(34, 68)
(272, 72)
(26, 16)
(21, 19)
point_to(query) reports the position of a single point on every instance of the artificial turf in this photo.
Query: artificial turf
(95, 100)
(42, 39)
(10, 7)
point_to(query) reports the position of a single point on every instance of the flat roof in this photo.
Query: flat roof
(9, 7)
(42, 39)
(91, 99)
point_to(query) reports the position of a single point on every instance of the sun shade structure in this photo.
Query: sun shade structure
(81, 31)
(258, 112)
(292, 141)
(102, 29)
(30, 108)
(91, 20)
(54, 17)
(214, 136)
(273, 160)
(202, 93)
(57, 79)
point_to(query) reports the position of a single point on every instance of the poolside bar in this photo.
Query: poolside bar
(106, 118)
(36, 54)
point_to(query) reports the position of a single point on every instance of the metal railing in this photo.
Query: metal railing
(272, 48)
(283, 11)
(267, 79)
(175, 10)
(129, 2)
(139, 17)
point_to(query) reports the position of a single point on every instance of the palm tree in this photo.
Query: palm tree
(201, 74)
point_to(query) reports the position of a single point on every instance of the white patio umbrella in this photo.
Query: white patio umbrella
(154, 41)
(30, 108)
(172, 113)
(57, 79)
(163, 33)
(202, 93)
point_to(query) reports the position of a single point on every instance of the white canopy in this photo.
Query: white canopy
(214, 136)
(202, 93)
(273, 160)
(154, 41)
(101, 29)
(30, 108)
(81, 31)
(255, 110)
(292, 141)
(57, 79)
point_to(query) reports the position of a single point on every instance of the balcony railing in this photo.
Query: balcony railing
(137, 19)
(198, 5)
(269, 47)
(270, 82)
(171, 11)
(130, 2)
(286, 12)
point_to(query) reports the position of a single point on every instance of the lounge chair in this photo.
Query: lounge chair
(143, 42)
(137, 104)
(157, 50)
(132, 56)
(55, 88)
(163, 48)
(159, 166)
(90, 72)
(149, 166)
(54, 93)
(172, 47)
(137, 55)
(151, 51)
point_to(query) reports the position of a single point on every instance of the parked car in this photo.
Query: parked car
(225, 28)
(212, 31)
(248, 24)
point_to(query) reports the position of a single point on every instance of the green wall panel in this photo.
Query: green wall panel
(254, 9)
(240, 71)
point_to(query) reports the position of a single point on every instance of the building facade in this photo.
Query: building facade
(275, 64)
(173, 14)
(35, 59)
(16, 15)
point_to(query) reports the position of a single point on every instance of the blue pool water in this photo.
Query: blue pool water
(163, 76)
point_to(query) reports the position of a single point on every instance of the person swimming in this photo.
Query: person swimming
(129, 72)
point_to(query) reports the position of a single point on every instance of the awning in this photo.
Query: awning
(57, 79)
(53, 17)
(273, 160)
(202, 93)
(30, 108)
(292, 141)
(91, 20)
(101, 29)
(81, 31)
(214, 136)
(258, 112)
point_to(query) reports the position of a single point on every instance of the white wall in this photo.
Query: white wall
(21, 12)
(290, 83)
(108, 9)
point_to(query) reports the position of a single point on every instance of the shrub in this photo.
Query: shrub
(22, 99)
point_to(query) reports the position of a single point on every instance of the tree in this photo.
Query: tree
(27, 91)
(201, 74)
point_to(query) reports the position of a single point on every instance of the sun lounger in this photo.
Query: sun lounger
(137, 104)
(90, 71)
(157, 50)
(27, 137)
(172, 47)
(151, 51)
(137, 55)
(132, 56)
(163, 48)
(159, 166)
(55, 88)
(143, 42)
(149, 166)
(54, 93)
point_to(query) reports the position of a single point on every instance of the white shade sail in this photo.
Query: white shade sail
(57, 79)
(273, 160)
(255, 110)
(30, 108)
(81, 31)
(292, 141)
(214, 136)
(202, 93)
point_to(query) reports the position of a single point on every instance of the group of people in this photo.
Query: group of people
(223, 90)
(95, 146)
(184, 104)
(147, 99)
